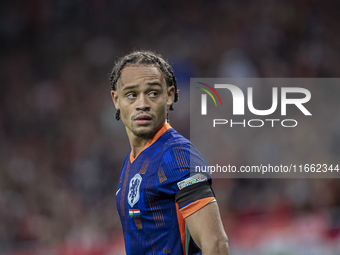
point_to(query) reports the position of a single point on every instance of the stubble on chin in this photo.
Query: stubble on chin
(145, 134)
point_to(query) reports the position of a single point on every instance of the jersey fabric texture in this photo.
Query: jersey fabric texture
(156, 192)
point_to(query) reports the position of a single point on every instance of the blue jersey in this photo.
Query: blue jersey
(156, 192)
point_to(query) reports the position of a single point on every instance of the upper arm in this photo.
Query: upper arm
(193, 193)
(206, 228)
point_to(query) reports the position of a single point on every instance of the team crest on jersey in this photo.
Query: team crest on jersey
(133, 195)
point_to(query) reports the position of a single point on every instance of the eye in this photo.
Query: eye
(153, 93)
(131, 95)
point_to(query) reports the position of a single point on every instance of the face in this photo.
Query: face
(142, 97)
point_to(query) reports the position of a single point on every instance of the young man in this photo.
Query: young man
(162, 208)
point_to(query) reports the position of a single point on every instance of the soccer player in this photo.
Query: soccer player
(163, 208)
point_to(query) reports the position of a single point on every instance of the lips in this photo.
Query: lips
(143, 119)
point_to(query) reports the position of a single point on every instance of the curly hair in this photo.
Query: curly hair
(143, 58)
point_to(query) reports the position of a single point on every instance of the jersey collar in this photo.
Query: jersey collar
(160, 132)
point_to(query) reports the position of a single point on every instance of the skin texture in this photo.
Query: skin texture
(209, 234)
(143, 97)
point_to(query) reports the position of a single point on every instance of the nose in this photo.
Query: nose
(142, 103)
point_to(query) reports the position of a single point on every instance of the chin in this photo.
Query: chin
(145, 132)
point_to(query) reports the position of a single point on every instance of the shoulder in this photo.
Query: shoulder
(181, 149)
(173, 139)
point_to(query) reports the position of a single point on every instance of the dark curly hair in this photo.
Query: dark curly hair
(143, 58)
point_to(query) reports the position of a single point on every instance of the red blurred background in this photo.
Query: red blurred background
(61, 148)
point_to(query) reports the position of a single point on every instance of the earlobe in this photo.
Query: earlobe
(115, 99)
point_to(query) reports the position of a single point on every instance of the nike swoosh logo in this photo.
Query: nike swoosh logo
(117, 192)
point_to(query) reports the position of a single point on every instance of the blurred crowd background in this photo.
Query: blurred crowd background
(61, 148)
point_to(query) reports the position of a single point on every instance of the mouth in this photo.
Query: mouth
(143, 119)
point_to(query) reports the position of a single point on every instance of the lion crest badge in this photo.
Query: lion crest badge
(133, 195)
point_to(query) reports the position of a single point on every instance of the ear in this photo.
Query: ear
(115, 99)
(171, 95)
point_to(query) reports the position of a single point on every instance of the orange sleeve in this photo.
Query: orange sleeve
(195, 206)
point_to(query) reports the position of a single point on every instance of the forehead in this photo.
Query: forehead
(137, 75)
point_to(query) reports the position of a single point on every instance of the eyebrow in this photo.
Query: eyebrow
(156, 83)
(130, 87)
(136, 86)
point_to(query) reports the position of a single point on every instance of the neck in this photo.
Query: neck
(137, 144)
